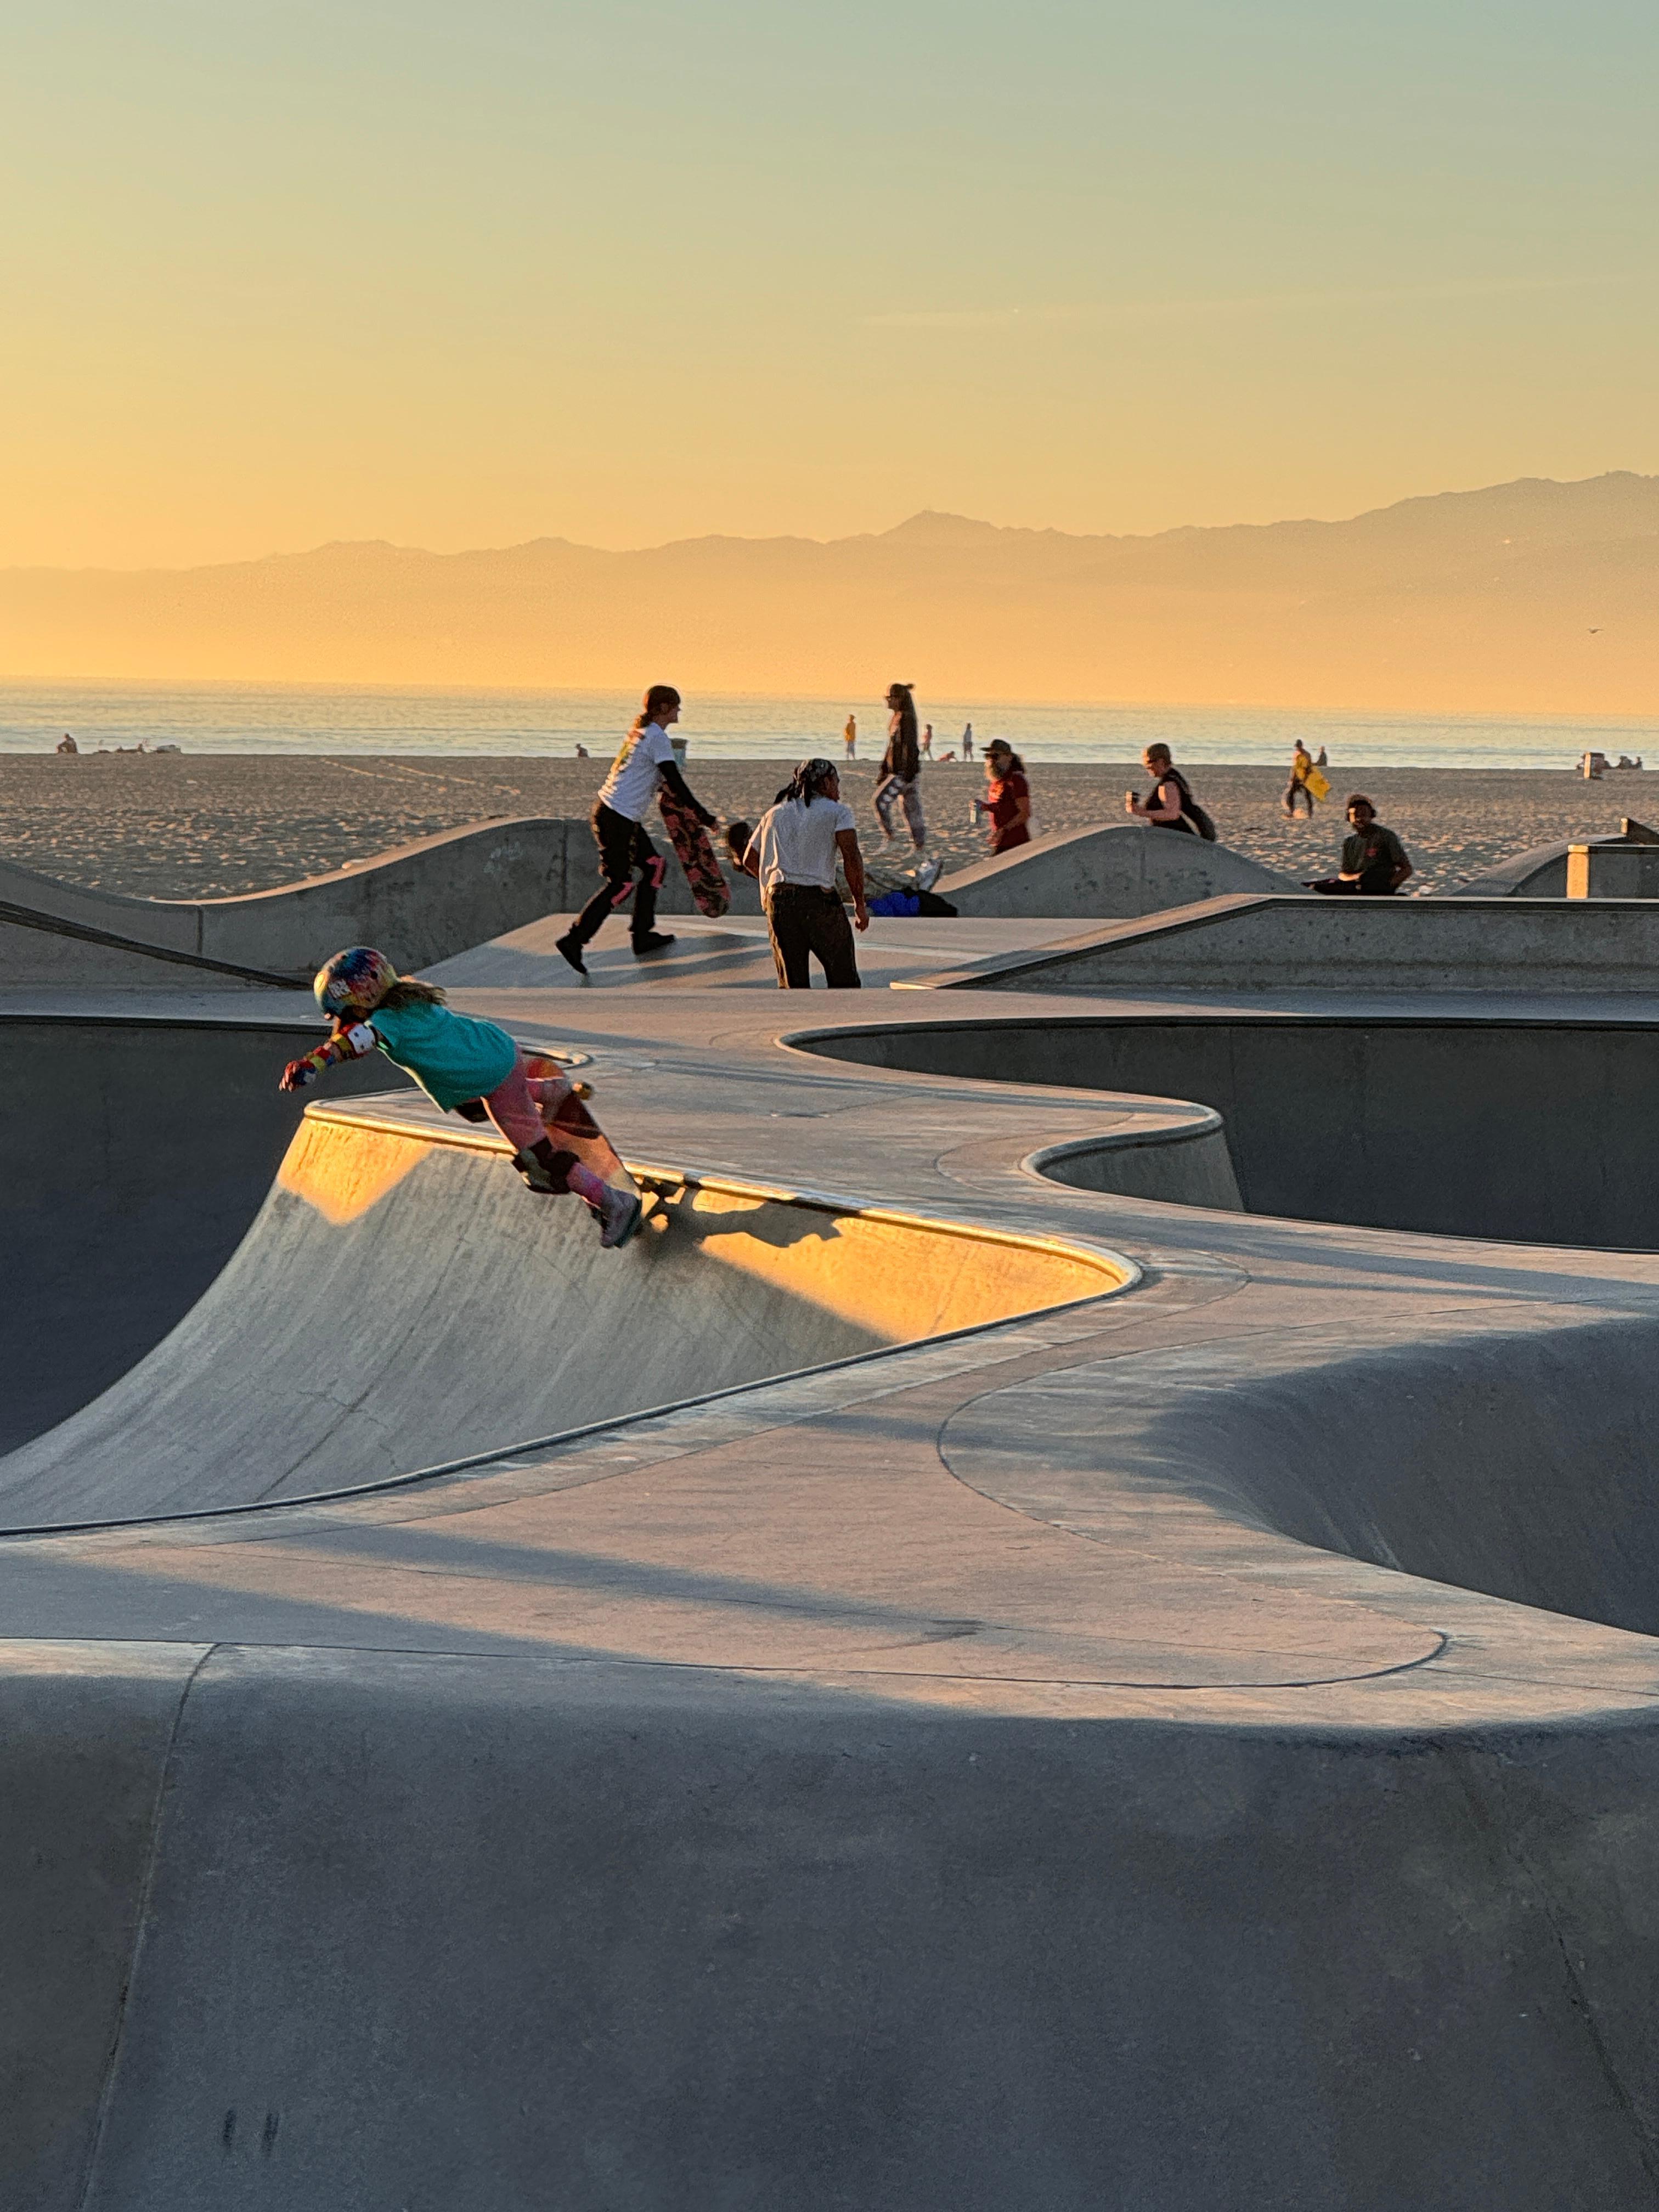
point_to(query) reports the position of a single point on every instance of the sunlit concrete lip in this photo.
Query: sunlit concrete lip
(1122, 1275)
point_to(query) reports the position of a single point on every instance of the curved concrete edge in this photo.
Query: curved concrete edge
(1607, 946)
(1112, 869)
(1181, 1167)
(421, 902)
(385, 1928)
(391, 1211)
(1541, 872)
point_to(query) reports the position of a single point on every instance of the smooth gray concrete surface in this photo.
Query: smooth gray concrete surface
(733, 953)
(1028, 1768)
(1353, 945)
(1112, 869)
(419, 903)
(1613, 871)
(136, 1152)
(1533, 1130)
(1541, 872)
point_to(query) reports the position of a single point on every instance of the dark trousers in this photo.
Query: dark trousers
(804, 920)
(1362, 888)
(1296, 789)
(623, 846)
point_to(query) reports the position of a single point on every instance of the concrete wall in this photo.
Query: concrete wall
(422, 902)
(1518, 1130)
(1122, 868)
(491, 1317)
(367, 1929)
(136, 1156)
(1346, 945)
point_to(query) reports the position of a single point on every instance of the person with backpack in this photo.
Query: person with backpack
(1170, 804)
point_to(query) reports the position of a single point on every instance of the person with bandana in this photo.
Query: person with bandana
(792, 854)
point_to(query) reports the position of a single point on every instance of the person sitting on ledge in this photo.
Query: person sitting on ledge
(1374, 862)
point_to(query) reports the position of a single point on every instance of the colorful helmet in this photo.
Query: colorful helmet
(353, 981)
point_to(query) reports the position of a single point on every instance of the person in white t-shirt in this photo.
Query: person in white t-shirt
(647, 759)
(794, 853)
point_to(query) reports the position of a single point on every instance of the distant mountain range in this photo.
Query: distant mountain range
(1528, 597)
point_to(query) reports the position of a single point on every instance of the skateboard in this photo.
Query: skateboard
(695, 855)
(571, 1126)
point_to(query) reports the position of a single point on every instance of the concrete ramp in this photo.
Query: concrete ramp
(412, 1303)
(1605, 946)
(421, 902)
(1110, 870)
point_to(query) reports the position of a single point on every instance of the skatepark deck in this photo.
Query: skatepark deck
(1189, 1746)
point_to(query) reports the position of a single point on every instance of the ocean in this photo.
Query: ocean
(224, 718)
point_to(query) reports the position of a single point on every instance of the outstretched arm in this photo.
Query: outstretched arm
(350, 1041)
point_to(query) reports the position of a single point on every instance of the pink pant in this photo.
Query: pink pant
(515, 1106)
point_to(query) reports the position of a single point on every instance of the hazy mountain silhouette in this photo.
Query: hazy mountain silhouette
(1534, 597)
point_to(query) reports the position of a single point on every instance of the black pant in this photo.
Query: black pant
(803, 919)
(623, 846)
(1376, 888)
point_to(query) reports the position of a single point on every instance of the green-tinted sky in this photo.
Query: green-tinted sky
(278, 273)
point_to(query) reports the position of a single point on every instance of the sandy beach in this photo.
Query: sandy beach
(175, 826)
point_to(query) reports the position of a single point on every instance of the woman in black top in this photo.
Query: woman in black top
(1165, 804)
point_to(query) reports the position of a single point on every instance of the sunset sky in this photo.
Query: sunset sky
(278, 272)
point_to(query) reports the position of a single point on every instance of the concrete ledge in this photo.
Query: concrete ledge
(1349, 944)
(1116, 869)
(421, 902)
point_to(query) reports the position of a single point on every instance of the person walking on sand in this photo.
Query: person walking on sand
(850, 734)
(967, 741)
(899, 774)
(1374, 862)
(1301, 768)
(1007, 798)
(646, 760)
(927, 742)
(1170, 804)
(463, 1064)
(792, 854)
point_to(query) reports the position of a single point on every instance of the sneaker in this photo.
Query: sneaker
(535, 1174)
(572, 953)
(929, 873)
(619, 1216)
(657, 941)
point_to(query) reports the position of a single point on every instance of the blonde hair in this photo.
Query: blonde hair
(409, 991)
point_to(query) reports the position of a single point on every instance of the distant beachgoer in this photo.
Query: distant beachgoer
(1302, 767)
(792, 854)
(1007, 798)
(1320, 760)
(463, 1064)
(67, 744)
(646, 760)
(581, 752)
(1374, 862)
(967, 741)
(900, 769)
(850, 736)
(927, 742)
(1170, 804)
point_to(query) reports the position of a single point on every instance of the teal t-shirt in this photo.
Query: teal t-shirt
(453, 1057)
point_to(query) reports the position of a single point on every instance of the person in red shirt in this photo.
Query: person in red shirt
(1007, 798)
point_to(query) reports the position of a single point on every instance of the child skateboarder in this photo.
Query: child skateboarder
(466, 1067)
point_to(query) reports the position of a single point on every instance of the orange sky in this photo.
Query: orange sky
(276, 275)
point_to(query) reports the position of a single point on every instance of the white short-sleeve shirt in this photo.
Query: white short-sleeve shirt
(797, 844)
(632, 783)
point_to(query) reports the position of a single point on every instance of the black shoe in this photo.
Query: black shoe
(658, 941)
(569, 945)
